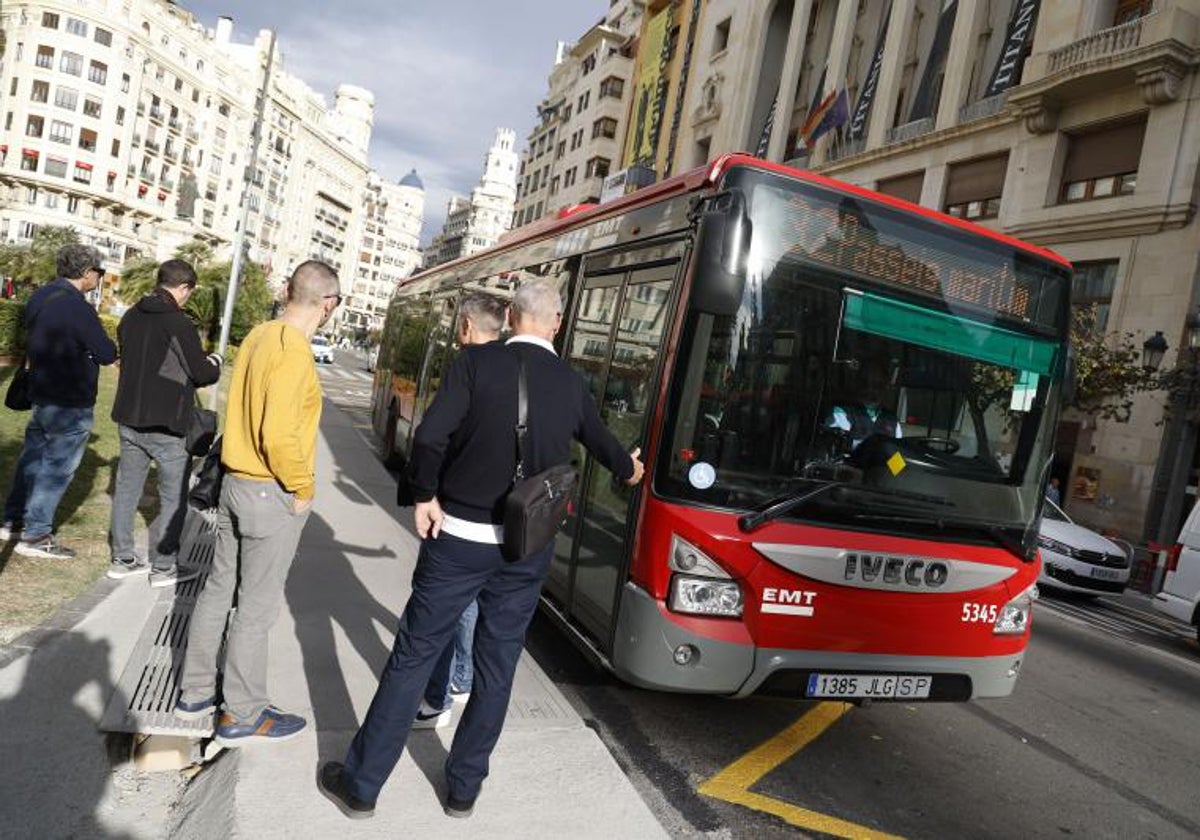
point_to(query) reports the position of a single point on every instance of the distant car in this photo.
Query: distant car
(322, 350)
(1078, 560)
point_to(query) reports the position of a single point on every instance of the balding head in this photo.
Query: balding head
(537, 310)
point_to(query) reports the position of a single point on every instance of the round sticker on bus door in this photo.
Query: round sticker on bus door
(702, 475)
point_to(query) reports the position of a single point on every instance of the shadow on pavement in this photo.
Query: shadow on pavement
(56, 766)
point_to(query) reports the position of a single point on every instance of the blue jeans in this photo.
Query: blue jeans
(55, 438)
(454, 668)
(138, 449)
(450, 573)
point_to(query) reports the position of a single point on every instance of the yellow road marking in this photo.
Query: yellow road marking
(734, 782)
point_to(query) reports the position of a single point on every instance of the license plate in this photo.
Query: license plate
(1106, 574)
(897, 686)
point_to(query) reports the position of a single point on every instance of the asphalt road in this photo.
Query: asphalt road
(1099, 740)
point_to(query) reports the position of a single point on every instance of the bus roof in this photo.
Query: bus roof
(709, 175)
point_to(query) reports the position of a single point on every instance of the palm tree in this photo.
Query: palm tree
(197, 252)
(137, 279)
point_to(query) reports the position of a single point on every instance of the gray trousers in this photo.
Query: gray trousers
(257, 537)
(138, 449)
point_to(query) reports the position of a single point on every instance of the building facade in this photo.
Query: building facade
(1070, 125)
(476, 224)
(132, 122)
(389, 250)
(582, 122)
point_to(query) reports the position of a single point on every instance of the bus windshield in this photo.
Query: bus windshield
(873, 350)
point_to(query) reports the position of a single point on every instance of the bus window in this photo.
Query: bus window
(439, 342)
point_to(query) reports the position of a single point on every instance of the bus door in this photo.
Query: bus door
(621, 319)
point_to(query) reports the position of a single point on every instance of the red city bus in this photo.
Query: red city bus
(847, 405)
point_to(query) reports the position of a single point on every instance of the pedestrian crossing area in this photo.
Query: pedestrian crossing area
(348, 387)
(333, 373)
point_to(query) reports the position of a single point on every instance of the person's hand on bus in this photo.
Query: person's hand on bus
(428, 519)
(638, 467)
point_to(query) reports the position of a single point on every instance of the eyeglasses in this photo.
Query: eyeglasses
(337, 298)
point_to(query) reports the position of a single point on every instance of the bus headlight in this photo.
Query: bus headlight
(705, 596)
(686, 558)
(1015, 616)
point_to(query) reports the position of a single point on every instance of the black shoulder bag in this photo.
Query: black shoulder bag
(536, 506)
(206, 491)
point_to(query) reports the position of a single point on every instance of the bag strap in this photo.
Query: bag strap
(522, 416)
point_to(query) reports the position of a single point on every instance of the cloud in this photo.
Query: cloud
(445, 75)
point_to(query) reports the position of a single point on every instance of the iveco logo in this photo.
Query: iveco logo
(909, 571)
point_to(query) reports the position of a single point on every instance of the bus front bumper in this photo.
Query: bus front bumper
(646, 645)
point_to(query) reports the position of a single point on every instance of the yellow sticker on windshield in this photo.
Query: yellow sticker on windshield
(896, 464)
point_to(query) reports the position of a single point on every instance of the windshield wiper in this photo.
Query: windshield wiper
(753, 521)
(999, 534)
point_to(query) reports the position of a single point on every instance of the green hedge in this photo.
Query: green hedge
(12, 336)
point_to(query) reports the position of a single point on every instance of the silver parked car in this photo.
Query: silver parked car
(1077, 559)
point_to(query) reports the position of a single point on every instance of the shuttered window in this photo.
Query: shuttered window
(1104, 162)
(974, 187)
(907, 187)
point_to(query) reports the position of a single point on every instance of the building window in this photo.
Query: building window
(66, 98)
(40, 92)
(1092, 286)
(612, 86)
(61, 132)
(597, 167)
(116, 148)
(567, 113)
(974, 187)
(1103, 162)
(584, 100)
(75, 26)
(1128, 11)
(588, 64)
(12, 89)
(34, 126)
(124, 83)
(721, 36)
(604, 127)
(98, 73)
(120, 115)
(562, 150)
(91, 107)
(50, 20)
(103, 36)
(907, 187)
(83, 173)
(56, 167)
(45, 57)
(87, 139)
(71, 63)
(29, 160)
(72, 204)
(52, 200)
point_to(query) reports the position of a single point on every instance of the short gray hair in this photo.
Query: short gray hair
(72, 261)
(485, 311)
(539, 302)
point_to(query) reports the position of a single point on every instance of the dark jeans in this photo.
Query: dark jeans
(455, 668)
(55, 438)
(138, 449)
(450, 573)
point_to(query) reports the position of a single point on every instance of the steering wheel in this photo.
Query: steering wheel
(943, 445)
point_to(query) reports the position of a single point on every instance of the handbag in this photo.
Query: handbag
(201, 431)
(206, 492)
(17, 395)
(537, 506)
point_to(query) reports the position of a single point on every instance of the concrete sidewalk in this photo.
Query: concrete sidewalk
(551, 775)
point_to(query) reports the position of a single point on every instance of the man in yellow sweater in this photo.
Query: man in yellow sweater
(269, 452)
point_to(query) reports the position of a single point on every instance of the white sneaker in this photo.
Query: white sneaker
(9, 531)
(431, 718)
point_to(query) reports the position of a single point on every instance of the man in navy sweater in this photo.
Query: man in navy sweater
(462, 465)
(65, 345)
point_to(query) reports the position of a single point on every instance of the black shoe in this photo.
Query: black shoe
(330, 783)
(459, 808)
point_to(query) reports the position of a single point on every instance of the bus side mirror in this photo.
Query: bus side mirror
(722, 248)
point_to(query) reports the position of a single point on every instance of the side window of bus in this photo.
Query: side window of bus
(406, 351)
(439, 342)
(562, 274)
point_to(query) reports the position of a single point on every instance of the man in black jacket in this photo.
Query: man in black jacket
(463, 461)
(65, 347)
(162, 364)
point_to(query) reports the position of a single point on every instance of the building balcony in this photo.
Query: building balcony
(192, 135)
(983, 108)
(156, 114)
(175, 125)
(1155, 53)
(910, 130)
(152, 146)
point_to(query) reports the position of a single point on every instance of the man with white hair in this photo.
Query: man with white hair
(462, 467)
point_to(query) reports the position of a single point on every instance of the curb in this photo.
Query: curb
(63, 621)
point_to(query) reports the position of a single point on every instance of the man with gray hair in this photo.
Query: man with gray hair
(462, 466)
(269, 451)
(65, 345)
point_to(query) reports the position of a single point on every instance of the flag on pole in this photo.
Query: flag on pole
(764, 139)
(834, 111)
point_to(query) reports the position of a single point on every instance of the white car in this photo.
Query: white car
(1078, 560)
(1180, 595)
(322, 350)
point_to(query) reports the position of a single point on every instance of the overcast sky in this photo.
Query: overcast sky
(445, 73)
